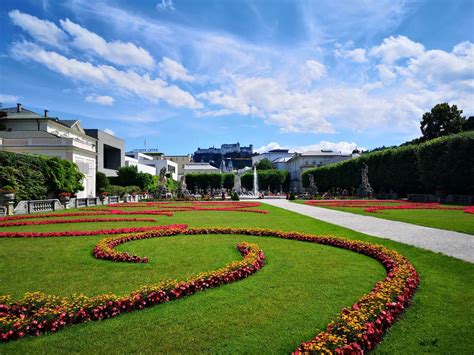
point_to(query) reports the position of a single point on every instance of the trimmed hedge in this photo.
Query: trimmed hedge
(204, 181)
(37, 177)
(442, 165)
(273, 178)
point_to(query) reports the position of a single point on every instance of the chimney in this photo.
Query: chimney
(46, 113)
(18, 107)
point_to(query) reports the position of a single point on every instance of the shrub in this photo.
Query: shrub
(267, 178)
(228, 181)
(441, 165)
(36, 177)
(292, 196)
(203, 181)
(101, 182)
(234, 196)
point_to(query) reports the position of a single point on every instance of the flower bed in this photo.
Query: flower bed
(353, 331)
(77, 233)
(375, 206)
(76, 220)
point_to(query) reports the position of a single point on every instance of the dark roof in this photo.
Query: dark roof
(68, 123)
(26, 134)
(24, 113)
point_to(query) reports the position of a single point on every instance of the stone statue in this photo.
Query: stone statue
(365, 190)
(312, 189)
(163, 175)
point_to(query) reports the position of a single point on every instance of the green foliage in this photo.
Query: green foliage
(265, 164)
(116, 190)
(234, 196)
(228, 181)
(444, 164)
(147, 182)
(275, 179)
(443, 120)
(37, 177)
(292, 196)
(469, 124)
(126, 176)
(102, 182)
(203, 181)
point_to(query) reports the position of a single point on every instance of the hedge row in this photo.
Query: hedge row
(36, 177)
(273, 179)
(443, 165)
(214, 181)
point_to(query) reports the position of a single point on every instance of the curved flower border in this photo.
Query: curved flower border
(353, 331)
(77, 233)
(76, 220)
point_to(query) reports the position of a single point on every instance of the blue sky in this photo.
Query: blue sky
(188, 74)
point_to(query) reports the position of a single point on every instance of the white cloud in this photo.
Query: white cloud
(174, 70)
(394, 48)
(101, 100)
(385, 73)
(129, 81)
(343, 147)
(357, 55)
(314, 70)
(43, 31)
(8, 98)
(116, 52)
(109, 131)
(165, 5)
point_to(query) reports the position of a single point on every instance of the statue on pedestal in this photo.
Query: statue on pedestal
(365, 190)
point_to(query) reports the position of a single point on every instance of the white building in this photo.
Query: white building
(200, 168)
(28, 132)
(144, 162)
(297, 163)
(272, 155)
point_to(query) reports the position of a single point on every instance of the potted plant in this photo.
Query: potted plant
(64, 196)
(8, 192)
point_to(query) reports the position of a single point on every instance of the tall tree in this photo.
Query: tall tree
(443, 120)
(265, 164)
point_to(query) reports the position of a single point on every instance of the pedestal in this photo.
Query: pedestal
(10, 208)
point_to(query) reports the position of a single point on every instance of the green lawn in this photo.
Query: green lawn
(300, 289)
(443, 219)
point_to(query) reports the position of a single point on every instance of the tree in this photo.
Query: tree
(127, 176)
(101, 182)
(265, 164)
(443, 120)
(147, 182)
(469, 124)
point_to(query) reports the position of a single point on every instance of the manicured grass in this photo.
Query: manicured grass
(457, 221)
(294, 296)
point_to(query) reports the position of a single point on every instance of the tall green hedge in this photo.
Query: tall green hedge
(443, 165)
(214, 180)
(275, 179)
(36, 177)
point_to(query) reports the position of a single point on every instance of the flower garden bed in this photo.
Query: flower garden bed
(375, 206)
(354, 330)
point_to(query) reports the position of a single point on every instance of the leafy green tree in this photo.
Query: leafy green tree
(127, 176)
(102, 182)
(469, 124)
(265, 164)
(147, 182)
(443, 120)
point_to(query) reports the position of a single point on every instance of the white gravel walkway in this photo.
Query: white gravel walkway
(458, 245)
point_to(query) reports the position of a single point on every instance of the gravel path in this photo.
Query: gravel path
(458, 245)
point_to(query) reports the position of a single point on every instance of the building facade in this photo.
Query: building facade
(200, 168)
(157, 163)
(110, 151)
(25, 131)
(241, 156)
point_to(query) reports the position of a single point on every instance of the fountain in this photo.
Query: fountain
(255, 181)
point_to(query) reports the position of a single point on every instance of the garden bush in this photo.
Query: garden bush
(275, 179)
(204, 181)
(36, 177)
(441, 165)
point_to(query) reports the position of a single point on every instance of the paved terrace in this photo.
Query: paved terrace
(458, 245)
